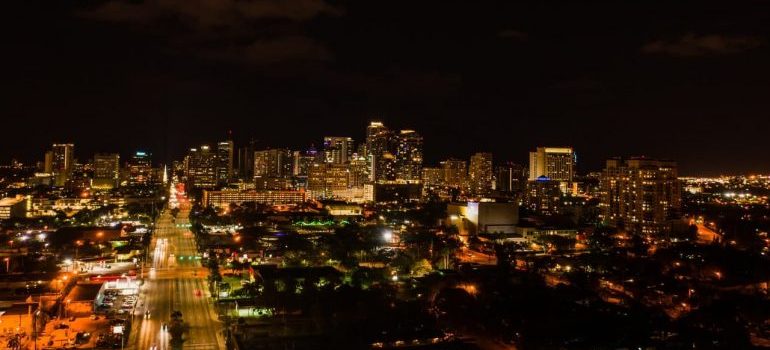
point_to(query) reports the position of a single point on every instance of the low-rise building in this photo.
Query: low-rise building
(483, 217)
(14, 207)
(223, 199)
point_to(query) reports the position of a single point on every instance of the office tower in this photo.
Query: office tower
(78, 179)
(380, 149)
(408, 156)
(48, 162)
(455, 173)
(480, 176)
(245, 161)
(337, 149)
(140, 169)
(62, 162)
(224, 161)
(274, 163)
(509, 177)
(432, 177)
(325, 178)
(201, 167)
(301, 161)
(106, 170)
(640, 194)
(555, 163)
(359, 171)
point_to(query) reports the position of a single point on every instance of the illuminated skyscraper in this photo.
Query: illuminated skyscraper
(62, 162)
(640, 193)
(201, 167)
(432, 177)
(381, 151)
(408, 156)
(106, 170)
(359, 171)
(555, 163)
(224, 161)
(301, 161)
(338, 149)
(140, 168)
(455, 172)
(325, 178)
(510, 177)
(274, 162)
(480, 176)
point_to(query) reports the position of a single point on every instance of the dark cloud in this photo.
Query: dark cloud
(694, 45)
(226, 30)
(513, 34)
(209, 13)
(282, 50)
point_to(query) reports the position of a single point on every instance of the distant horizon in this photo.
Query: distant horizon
(125, 155)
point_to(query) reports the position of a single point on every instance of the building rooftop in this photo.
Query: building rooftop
(8, 201)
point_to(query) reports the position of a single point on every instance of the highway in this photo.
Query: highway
(175, 281)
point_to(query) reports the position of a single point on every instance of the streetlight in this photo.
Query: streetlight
(387, 236)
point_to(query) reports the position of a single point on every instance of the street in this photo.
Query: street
(175, 280)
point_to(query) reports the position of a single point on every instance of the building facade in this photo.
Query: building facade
(223, 199)
(409, 156)
(201, 167)
(140, 170)
(480, 176)
(555, 163)
(640, 194)
(455, 173)
(106, 170)
(338, 149)
(62, 162)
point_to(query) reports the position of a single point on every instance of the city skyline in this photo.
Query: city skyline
(511, 78)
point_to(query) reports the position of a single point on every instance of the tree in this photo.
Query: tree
(421, 267)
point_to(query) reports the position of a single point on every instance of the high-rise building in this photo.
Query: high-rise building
(338, 149)
(276, 162)
(408, 156)
(106, 170)
(359, 171)
(641, 194)
(245, 161)
(455, 172)
(480, 176)
(325, 178)
(201, 167)
(510, 177)
(432, 177)
(62, 162)
(555, 163)
(140, 168)
(224, 161)
(381, 152)
(48, 162)
(301, 161)
(543, 196)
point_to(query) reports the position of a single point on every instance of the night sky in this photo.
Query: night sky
(688, 81)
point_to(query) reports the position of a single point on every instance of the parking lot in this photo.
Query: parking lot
(119, 303)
